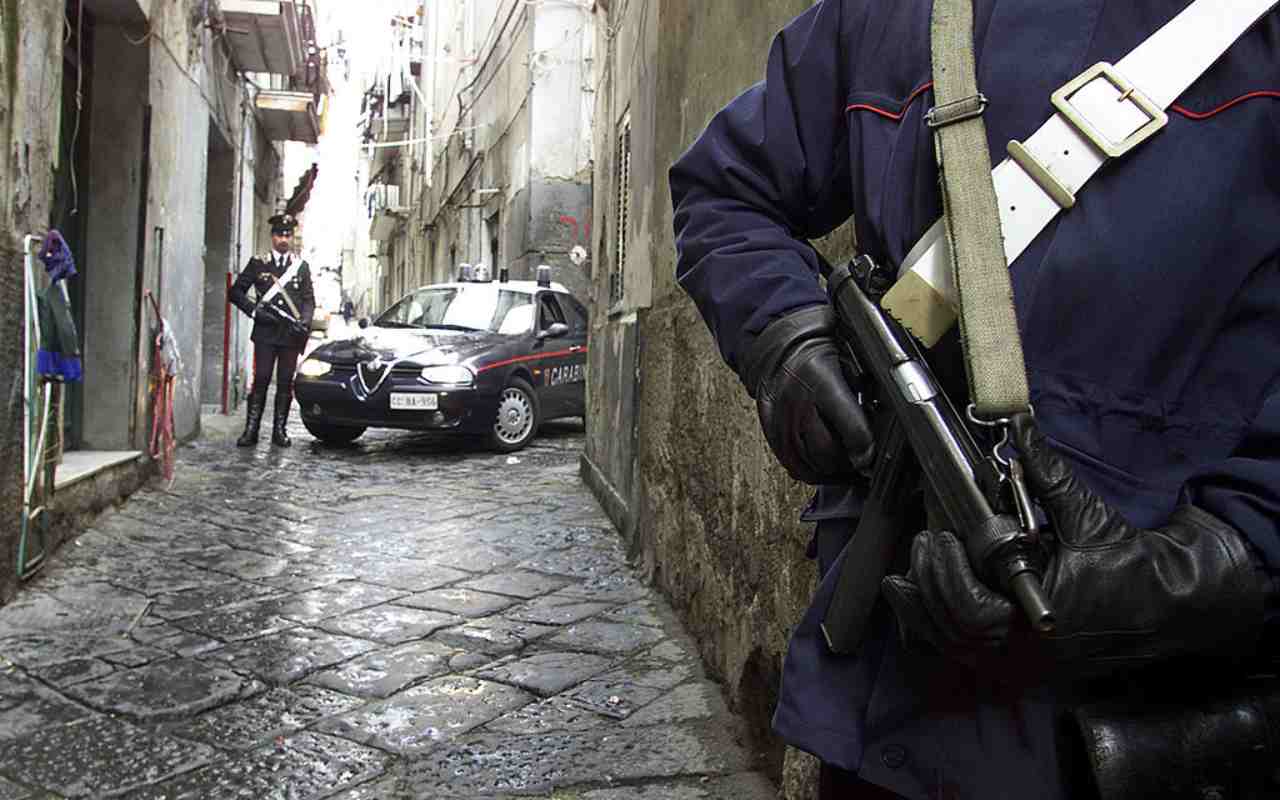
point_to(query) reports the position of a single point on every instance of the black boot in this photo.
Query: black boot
(252, 422)
(278, 435)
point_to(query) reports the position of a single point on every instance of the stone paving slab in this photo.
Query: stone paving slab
(385, 672)
(200, 600)
(170, 689)
(26, 706)
(606, 637)
(246, 621)
(389, 624)
(547, 674)
(12, 791)
(495, 766)
(494, 635)
(97, 756)
(299, 767)
(419, 718)
(555, 610)
(260, 719)
(377, 621)
(463, 602)
(282, 658)
(334, 600)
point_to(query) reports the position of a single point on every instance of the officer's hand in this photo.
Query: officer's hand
(810, 415)
(1122, 596)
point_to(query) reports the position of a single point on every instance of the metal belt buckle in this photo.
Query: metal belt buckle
(1128, 91)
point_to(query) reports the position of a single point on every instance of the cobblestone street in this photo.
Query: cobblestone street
(405, 618)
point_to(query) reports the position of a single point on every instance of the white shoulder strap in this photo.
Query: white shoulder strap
(281, 281)
(1103, 113)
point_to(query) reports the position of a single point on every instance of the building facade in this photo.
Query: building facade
(149, 134)
(674, 450)
(477, 135)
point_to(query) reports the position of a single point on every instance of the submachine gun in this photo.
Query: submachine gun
(984, 497)
(275, 313)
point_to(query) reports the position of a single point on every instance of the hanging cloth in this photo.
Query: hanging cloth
(58, 356)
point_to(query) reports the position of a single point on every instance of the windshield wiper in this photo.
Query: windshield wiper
(453, 327)
(390, 324)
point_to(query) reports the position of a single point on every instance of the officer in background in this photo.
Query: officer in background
(282, 307)
(1145, 312)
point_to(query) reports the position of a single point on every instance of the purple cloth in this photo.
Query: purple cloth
(57, 258)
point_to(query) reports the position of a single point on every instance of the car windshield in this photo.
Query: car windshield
(479, 307)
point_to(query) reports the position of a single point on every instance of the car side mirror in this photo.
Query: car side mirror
(364, 322)
(555, 331)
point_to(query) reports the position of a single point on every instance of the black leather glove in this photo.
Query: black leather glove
(810, 415)
(1122, 596)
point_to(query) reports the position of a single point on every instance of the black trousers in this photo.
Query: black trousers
(836, 784)
(284, 360)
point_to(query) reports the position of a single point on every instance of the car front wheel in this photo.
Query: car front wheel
(333, 434)
(517, 419)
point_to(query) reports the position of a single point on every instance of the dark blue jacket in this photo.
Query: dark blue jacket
(1150, 314)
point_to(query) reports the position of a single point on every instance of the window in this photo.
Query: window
(575, 313)
(549, 312)
(622, 180)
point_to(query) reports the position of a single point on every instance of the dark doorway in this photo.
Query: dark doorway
(70, 186)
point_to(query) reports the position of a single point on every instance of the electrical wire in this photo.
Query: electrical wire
(75, 132)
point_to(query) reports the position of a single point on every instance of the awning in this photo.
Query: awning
(288, 116)
(264, 35)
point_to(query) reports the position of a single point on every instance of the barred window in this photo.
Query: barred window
(622, 180)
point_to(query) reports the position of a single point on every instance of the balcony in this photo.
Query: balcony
(289, 116)
(385, 212)
(265, 35)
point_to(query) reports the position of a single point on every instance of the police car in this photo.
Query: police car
(493, 358)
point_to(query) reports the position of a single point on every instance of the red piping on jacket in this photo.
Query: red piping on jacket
(538, 357)
(1184, 111)
(1206, 114)
(889, 114)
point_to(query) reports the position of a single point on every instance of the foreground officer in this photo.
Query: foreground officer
(281, 314)
(1150, 316)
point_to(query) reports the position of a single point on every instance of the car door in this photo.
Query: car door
(576, 391)
(557, 363)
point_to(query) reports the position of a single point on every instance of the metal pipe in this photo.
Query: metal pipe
(226, 344)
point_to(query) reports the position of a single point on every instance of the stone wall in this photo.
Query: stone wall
(710, 514)
(30, 83)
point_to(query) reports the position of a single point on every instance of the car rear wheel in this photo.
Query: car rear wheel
(333, 434)
(517, 419)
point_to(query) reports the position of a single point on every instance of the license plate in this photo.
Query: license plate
(403, 401)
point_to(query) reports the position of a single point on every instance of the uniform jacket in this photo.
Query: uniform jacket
(1150, 317)
(259, 275)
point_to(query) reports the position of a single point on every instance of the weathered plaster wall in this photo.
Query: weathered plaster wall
(521, 150)
(627, 44)
(30, 74)
(717, 518)
(174, 253)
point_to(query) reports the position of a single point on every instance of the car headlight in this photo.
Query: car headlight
(314, 368)
(455, 375)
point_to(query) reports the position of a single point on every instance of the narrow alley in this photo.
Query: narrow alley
(396, 619)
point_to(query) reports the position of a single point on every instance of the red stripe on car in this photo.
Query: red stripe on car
(538, 357)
